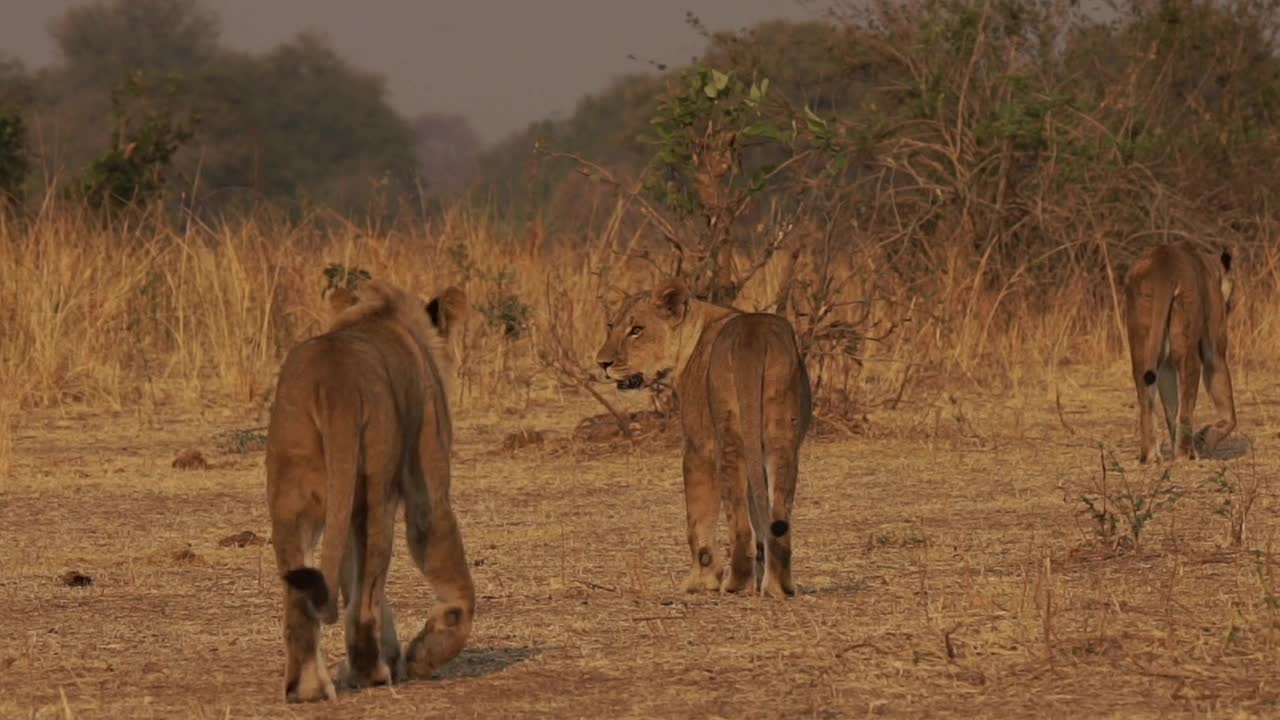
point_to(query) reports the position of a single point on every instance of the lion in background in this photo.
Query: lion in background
(360, 426)
(1176, 302)
(745, 405)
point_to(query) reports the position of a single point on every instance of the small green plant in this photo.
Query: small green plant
(502, 309)
(340, 276)
(1120, 508)
(239, 442)
(1237, 494)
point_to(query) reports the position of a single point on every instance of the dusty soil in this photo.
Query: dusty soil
(947, 568)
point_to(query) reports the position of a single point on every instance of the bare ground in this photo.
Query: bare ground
(945, 567)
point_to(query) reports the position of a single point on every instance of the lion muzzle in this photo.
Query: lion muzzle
(634, 381)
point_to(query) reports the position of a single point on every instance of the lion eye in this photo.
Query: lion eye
(636, 330)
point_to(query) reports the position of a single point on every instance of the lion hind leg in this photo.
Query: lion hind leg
(782, 468)
(1167, 386)
(702, 507)
(733, 485)
(759, 514)
(392, 658)
(371, 630)
(785, 426)
(373, 648)
(1188, 389)
(306, 678)
(293, 534)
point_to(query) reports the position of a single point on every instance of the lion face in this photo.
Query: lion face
(641, 346)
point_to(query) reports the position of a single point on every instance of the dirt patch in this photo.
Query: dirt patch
(521, 439)
(190, 460)
(936, 579)
(245, 538)
(635, 427)
(187, 556)
(75, 578)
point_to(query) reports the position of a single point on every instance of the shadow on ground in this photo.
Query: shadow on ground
(479, 662)
(1230, 448)
(851, 587)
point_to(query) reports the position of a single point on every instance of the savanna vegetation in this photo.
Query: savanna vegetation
(943, 196)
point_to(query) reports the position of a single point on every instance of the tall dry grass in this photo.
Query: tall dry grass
(149, 315)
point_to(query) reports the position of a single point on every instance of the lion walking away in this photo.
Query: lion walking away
(1176, 302)
(745, 405)
(360, 426)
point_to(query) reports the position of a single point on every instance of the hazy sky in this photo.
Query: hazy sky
(503, 63)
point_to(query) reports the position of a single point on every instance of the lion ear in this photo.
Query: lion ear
(447, 310)
(671, 298)
(340, 299)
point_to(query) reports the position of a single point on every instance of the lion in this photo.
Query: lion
(1177, 298)
(360, 425)
(745, 406)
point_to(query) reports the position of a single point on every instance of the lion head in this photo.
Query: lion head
(642, 345)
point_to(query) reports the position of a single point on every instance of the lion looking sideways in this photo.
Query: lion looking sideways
(745, 408)
(1176, 301)
(360, 425)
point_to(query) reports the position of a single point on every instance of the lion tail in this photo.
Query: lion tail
(341, 456)
(1161, 304)
(750, 388)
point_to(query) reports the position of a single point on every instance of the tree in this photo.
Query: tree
(16, 94)
(299, 126)
(14, 164)
(606, 126)
(17, 88)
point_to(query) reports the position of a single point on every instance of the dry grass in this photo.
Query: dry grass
(946, 567)
(150, 316)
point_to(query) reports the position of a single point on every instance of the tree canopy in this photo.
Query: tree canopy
(295, 126)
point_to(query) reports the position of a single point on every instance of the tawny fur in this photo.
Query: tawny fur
(1176, 302)
(360, 426)
(745, 406)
